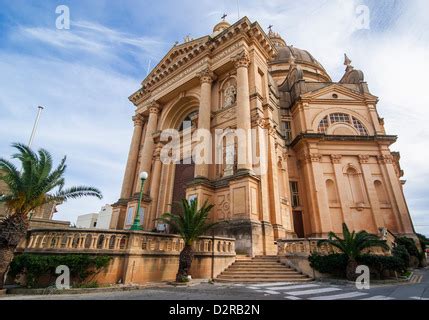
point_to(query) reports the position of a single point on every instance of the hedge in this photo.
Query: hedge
(35, 266)
(336, 264)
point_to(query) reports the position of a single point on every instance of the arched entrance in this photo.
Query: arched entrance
(183, 175)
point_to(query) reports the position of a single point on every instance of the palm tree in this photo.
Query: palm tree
(352, 245)
(37, 184)
(190, 224)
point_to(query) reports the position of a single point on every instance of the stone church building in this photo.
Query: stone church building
(328, 156)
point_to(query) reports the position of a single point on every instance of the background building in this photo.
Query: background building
(99, 220)
(87, 221)
(328, 155)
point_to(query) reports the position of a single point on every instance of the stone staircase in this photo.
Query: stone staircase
(260, 269)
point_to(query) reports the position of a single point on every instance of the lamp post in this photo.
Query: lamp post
(136, 225)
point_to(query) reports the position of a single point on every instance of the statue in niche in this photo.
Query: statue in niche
(229, 160)
(230, 96)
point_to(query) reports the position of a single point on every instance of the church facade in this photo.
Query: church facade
(327, 157)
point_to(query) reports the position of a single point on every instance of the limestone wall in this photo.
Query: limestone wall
(138, 257)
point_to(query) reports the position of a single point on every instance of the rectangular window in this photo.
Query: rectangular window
(287, 130)
(130, 216)
(295, 194)
(141, 215)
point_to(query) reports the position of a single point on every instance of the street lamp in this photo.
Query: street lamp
(136, 225)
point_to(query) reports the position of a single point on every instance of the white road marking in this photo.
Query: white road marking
(378, 298)
(269, 284)
(293, 298)
(419, 298)
(300, 286)
(314, 291)
(347, 295)
(271, 292)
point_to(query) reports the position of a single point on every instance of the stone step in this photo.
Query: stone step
(261, 269)
(263, 276)
(258, 264)
(239, 269)
(230, 271)
(263, 280)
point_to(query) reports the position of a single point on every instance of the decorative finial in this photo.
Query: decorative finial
(188, 38)
(347, 61)
(224, 16)
(270, 28)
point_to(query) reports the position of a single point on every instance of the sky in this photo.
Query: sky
(83, 76)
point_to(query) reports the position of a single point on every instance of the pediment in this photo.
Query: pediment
(337, 92)
(181, 55)
(176, 57)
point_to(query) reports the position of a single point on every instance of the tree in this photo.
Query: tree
(352, 245)
(36, 184)
(190, 223)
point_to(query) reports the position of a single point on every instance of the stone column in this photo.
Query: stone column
(341, 188)
(204, 116)
(244, 149)
(372, 193)
(147, 152)
(127, 185)
(399, 205)
(154, 188)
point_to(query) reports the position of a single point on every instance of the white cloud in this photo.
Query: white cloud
(87, 117)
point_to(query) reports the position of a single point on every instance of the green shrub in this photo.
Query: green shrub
(89, 285)
(36, 266)
(417, 257)
(401, 253)
(334, 264)
(410, 245)
(380, 264)
(424, 242)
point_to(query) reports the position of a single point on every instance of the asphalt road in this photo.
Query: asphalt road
(418, 289)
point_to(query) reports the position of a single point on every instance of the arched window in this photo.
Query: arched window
(187, 122)
(334, 118)
(323, 125)
(359, 127)
(339, 118)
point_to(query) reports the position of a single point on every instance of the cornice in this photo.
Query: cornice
(181, 56)
(323, 137)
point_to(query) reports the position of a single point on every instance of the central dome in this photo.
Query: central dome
(221, 26)
(288, 54)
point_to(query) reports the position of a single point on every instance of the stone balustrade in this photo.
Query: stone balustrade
(305, 247)
(121, 242)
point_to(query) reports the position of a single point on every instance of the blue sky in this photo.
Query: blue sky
(83, 76)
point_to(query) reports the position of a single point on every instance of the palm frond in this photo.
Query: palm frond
(38, 182)
(191, 222)
(78, 192)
